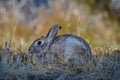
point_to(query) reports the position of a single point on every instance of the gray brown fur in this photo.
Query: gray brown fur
(67, 48)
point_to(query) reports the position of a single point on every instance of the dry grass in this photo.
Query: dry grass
(103, 37)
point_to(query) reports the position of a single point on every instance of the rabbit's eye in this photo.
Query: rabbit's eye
(39, 42)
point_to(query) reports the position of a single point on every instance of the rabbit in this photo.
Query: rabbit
(66, 48)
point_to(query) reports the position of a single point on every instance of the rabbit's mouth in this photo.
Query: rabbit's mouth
(32, 51)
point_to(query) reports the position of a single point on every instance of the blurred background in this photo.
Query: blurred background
(97, 21)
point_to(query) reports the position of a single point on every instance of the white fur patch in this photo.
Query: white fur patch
(73, 41)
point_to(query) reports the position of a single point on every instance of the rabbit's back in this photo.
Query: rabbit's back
(72, 48)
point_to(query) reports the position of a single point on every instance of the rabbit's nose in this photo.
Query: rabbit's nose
(30, 49)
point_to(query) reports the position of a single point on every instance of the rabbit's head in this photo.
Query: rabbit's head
(42, 44)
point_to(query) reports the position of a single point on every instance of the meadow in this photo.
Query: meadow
(102, 34)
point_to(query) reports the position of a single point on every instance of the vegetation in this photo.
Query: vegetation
(105, 66)
(102, 34)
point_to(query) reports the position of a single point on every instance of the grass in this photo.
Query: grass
(105, 66)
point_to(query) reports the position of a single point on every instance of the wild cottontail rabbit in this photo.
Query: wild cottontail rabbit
(66, 48)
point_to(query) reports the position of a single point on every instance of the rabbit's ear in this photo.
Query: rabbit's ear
(53, 32)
